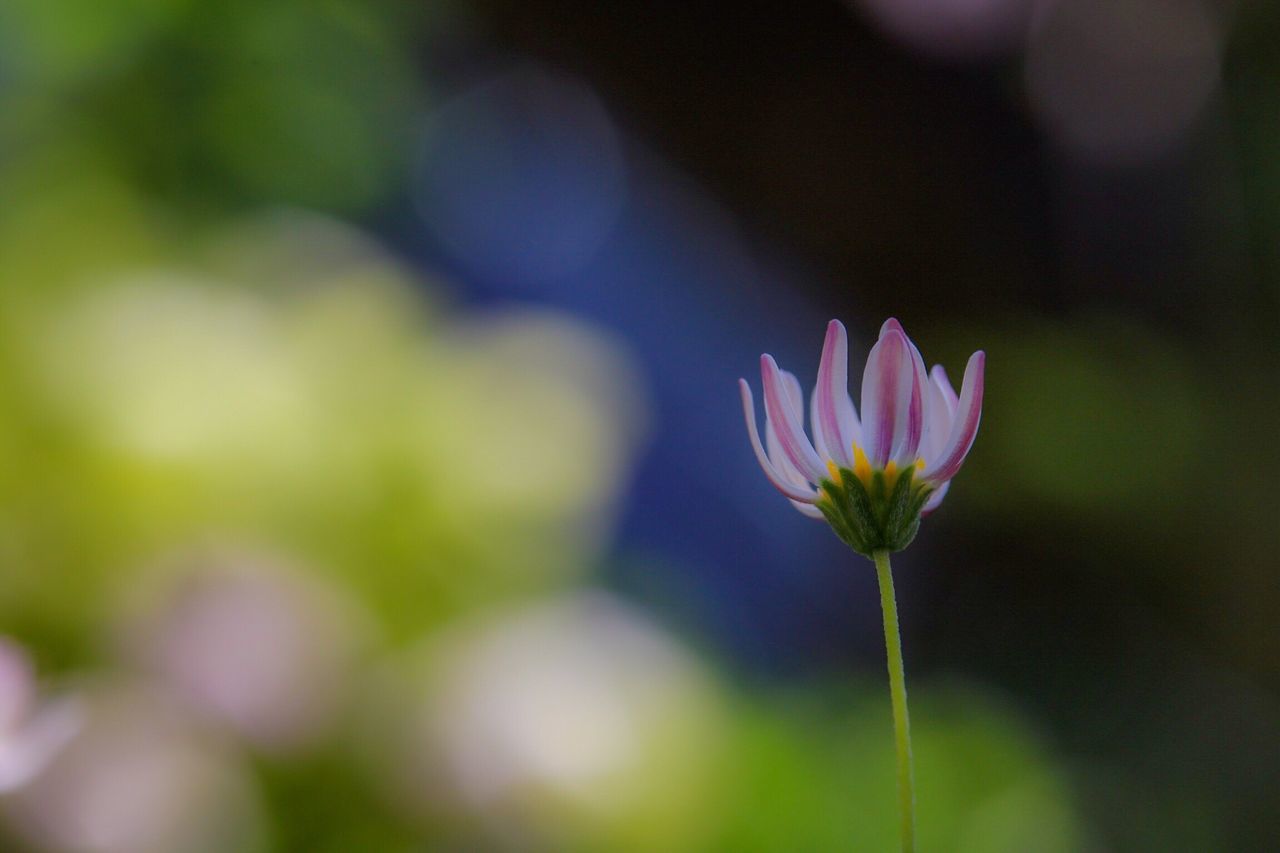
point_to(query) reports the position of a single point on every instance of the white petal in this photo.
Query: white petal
(939, 415)
(935, 499)
(795, 395)
(809, 510)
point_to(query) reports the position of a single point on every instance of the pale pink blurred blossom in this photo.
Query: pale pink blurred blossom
(32, 731)
(954, 29)
(259, 648)
(140, 777)
(564, 715)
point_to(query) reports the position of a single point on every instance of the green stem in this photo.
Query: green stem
(898, 691)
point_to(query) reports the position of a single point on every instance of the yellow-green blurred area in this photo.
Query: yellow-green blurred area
(371, 476)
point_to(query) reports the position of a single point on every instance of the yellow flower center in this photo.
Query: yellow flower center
(861, 465)
(862, 469)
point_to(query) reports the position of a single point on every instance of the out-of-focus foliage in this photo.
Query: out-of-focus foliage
(1073, 395)
(216, 104)
(152, 409)
(807, 774)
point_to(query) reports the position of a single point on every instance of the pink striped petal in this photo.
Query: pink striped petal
(786, 420)
(847, 417)
(965, 426)
(773, 449)
(786, 469)
(795, 397)
(833, 412)
(794, 492)
(886, 396)
(905, 453)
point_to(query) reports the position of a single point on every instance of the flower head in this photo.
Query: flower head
(871, 478)
(32, 731)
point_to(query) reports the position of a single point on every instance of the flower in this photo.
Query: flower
(262, 649)
(871, 478)
(32, 732)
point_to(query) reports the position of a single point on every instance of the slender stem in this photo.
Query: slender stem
(898, 691)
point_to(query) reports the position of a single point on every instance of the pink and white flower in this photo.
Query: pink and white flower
(911, 420)
(32, 731)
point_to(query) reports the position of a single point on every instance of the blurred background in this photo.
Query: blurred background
(372, 473)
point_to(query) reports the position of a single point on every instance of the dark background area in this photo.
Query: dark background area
(924, 188)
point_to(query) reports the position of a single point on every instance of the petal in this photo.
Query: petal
(795, 395)
(905, 453)
(773, 448)
(786, 420)
(939, 377)
(833, 416)
(935, 499)
(886, 396)
(28, 751)
(939, 414)
(795, 399)
(965, 426)
(809, 510)
(793, 492)
(17, 686)
(819, 438)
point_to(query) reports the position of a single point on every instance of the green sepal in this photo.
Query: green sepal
(875, 518)
(897, 521)
(845, 516)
